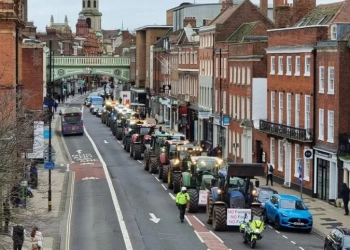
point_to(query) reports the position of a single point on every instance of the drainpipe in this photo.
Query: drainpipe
(213, 92)
(314, 53)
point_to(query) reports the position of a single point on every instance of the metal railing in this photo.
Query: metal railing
(289, 132)
(91, 61)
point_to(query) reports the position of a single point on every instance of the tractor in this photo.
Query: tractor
(120, 116)
(142, 135)
(198, 180)
(232, 195)
(129, 128)
(107, 111)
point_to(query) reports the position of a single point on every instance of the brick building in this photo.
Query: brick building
(91, 45)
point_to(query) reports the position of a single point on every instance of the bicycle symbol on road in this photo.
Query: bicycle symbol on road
(83, 158)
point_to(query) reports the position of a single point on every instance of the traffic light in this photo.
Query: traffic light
(64, 89)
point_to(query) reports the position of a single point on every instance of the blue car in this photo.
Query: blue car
(288, 211)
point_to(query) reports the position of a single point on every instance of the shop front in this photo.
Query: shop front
(154, 105)
(164, 111)
(346, 170)
(325, 175)
(205, 128)
(183, 121)
(220, 134)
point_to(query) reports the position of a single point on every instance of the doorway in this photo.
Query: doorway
(322, 179)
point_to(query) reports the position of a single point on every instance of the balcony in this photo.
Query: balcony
(296, 134)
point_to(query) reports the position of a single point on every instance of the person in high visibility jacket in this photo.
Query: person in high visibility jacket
(182, 202)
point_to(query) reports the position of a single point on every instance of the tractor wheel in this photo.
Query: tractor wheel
(153, 165)
(137, 152)
(160, 171)
(119, 134)
(256, 211)
(145, 163)
(219, 218)
(194, 200)
(131, 151)
(107, 122)
(127, 144)
(113, 129)
(177, 182)
(165, 170)
(170, 179)
(209, 210)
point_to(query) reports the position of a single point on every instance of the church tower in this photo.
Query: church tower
(92, 14)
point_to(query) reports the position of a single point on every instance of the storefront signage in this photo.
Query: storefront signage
(203, 114)
(226, 120)
(323, 154)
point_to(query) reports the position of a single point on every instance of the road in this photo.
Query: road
(95, 224)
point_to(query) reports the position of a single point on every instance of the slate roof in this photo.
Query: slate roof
(243, 30)
(323, 14)
(224, 15)
(110, 33)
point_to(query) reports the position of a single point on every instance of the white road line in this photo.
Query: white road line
(121, 145)
(284, 236)
(70, 211)
(139, 161)
(119, 142)
(198, 221)
(188, 221)
(172, 196)
(270, 227)
(157, 179)
(152, 174)
(277, 231)
(164, 186)
(301, 248)
(292, 242)
(216, 237)
(199, 237)
(117, 208)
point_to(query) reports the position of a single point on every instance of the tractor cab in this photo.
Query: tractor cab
(143, 131)
(138, 108)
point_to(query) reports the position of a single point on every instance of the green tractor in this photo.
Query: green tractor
(232, 196)
(120, 117)
(203, 169)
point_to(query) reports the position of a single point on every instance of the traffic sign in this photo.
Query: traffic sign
(47, 134)
(300, 170)
(49, 165)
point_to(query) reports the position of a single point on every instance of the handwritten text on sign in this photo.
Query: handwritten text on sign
(235, 217)
(203, 196)
(83, 158)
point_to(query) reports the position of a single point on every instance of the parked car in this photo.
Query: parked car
(288, 211)
(263, 194)
(337, 239)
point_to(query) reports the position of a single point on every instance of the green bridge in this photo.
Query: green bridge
(65, 66)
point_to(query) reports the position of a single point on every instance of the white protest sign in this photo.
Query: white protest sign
(235, 216)
(203, 197)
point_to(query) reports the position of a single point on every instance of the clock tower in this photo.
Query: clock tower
(92, 14)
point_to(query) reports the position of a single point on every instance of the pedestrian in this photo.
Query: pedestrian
(7, 214)
(156, 117)
(15, 195)
(18, 234)
(56, 106)
(33, 176)
(59, 98)
(120, 100)
(182, 202)
(345, 195)
(269, 174)
(210, 151)
(37, 239)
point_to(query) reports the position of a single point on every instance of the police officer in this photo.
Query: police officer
(182, 202)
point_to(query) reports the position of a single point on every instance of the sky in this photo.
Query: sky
(133, 13)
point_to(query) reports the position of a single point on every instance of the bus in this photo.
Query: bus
(71, 122)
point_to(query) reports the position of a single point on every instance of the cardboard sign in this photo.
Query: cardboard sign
(235, 216)
(203, 197)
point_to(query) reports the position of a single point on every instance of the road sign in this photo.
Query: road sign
(49, 165)
(47, 156)
(300, 170)
(47, 134)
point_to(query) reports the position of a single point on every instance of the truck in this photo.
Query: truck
(231, 198)
(142, 135)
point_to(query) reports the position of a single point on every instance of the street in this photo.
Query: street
(147, 207)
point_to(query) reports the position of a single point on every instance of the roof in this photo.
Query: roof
(242, 31)
(154, 27)
(323, 14)
(224, 15)
(289, 197)
(109, 33)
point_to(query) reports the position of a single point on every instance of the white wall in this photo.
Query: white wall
(259, 100)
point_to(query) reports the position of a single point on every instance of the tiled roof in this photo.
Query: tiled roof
(224, 15)
(243, 30)
(109, 33)
(322, 15)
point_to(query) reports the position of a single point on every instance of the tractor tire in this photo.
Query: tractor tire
(176, 182)
(194, 200)
(131, 151)
(160, 171)
(127, 144)
(107, 122)
(145, 163)
(113, 129)
(209, 209)
(119, 134)
(153, 165)
(137, 152)
(256, 211)
(219, 218)
(165, 170)
(170, 179)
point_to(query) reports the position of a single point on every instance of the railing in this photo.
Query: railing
(91, 61)
(288, 132)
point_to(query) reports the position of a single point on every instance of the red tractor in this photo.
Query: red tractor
(142, 136)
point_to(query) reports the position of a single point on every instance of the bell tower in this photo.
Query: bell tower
(90, 10)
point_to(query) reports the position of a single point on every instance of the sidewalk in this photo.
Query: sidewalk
(325, 215)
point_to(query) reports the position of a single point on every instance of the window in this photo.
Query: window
(183, 57)
(248, 76)
(306, 168)
(307, 112)
(83, 3)
(289, 66)
(289, 109)
(272, 106)
(280, 65)
(242, 108)
(248, 108)
(297, 158)
(195, 57)
(233, 141)
(230, 106)
(243, 75)
(330, 132)
(231, 71)
(237, 141)
(89, 4)
(321, 79)
(217, 67)
(238, 110)
(224, 103)
(331, 80)
(272, 65)
(307, 66)
(239, 75)
(297, 66)
(297, 110)
(95, 5)
(234, 106)
(280, 155)
(272, 151)
(191, 57)
(321, 124)
(234, 75)
(334, 32)
(225, 68)
(180, 59)
(280, 108)
(216, 98)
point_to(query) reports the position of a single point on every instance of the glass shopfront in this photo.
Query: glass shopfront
(323, 171)
(207, 131)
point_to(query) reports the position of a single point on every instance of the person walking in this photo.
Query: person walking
(182, 202)
(37, 239)
(56, 106)
(269, 175)
(33, 176)
(7, 214)
(18, 234)
(59, 98)
(345, 195)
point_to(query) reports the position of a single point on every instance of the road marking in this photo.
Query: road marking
(199, 237)
(188, 221)
(117, 208)
(199, 221)
(152, 174)
(301, 248)
(105, 141)
(217, 237)
(172, 196)
(277, 231)
(157, 179)
(70, 211)
(139, 161)
(66, 149)
(154, 218)
(292, 242)
(163, 186)
(284, 236)
(121, 145)
(270, 227)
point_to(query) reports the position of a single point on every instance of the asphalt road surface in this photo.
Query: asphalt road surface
(95, 225)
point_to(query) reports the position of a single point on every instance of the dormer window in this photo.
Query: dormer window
(334, 32)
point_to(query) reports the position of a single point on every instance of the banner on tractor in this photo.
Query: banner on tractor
(203, 196)
(235, 216)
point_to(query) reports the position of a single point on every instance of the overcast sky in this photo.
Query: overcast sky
(134, 13)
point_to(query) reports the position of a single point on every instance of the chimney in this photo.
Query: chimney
(223, 5)
(190, 21)
(229, 3)
(276, 3)
(263, 7)
(284, 16)
(301, 8)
